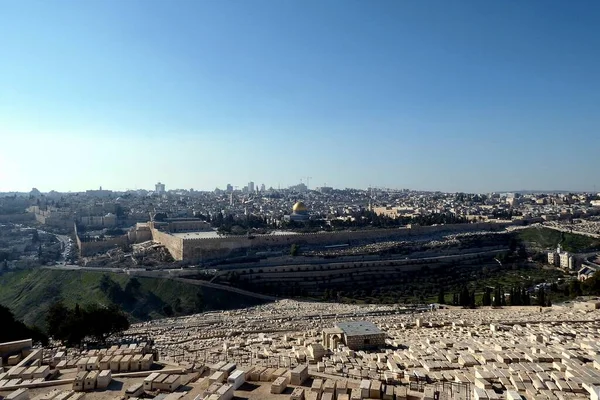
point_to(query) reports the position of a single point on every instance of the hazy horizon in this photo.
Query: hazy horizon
(463, 96)
(274, 187)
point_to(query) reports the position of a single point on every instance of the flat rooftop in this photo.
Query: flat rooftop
(196, 235)
(214, 234)
(358, 328)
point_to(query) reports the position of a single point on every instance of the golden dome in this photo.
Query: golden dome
(299, 207)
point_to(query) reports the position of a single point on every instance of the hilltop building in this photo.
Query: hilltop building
(299, 213)
(100, 193)
(562, 259)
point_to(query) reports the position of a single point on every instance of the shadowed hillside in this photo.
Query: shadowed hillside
(29, 294)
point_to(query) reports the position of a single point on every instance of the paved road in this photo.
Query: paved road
(66, 242)
(73, 267)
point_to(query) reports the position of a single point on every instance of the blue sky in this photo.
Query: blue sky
(434, 94)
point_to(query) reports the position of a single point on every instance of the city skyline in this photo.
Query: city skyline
(262, 187)
(457, 97)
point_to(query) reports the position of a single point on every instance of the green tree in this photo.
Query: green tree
(575, 288)
(487, 297)
(497, 297)
(56, 316)
(133, 285)
(465, 297)
(541, 297)
(103, 321)
(12, 329)
(294, 250)
(105, 282)
(177, 305)
(592, 284)
(72, 326)
(168, 310)
(441, 296)
(526, 299)
(199, 301)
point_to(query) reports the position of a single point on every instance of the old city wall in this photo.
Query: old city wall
(173, 243)
(214, 247)
(139, 235)
(90, 247)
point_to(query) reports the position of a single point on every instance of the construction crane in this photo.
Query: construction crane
(308, 178)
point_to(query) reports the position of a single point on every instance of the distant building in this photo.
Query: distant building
(299, 213)
(52, 216)
(562, 259)
(101, 193)
(262, 187)
(301, 187)
(159, 188)
(229, 188)
(395, 211)
(357, 335)
(107, 221)
(176, 225)
(553, 258)
(566, 260)
(325, 189)
(251, 187)
(513, 201)
(585, 273)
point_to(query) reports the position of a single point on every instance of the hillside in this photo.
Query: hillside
(545, 238)
(29, 293)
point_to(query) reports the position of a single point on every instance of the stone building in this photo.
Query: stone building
(175, 225)
(299, 213)
(562, 259)
(357, 335)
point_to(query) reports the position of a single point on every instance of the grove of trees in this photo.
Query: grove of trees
(73, 325)
(13, 329)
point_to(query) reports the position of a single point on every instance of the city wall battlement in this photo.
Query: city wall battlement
(88, 247)
(198, 248)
